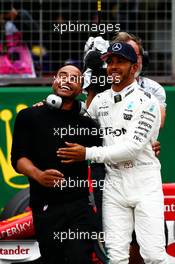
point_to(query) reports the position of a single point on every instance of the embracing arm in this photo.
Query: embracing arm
(143, 128)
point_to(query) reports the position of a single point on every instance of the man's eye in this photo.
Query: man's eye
(62, 75)
(109, 60)
(73, 79)
(63, 78)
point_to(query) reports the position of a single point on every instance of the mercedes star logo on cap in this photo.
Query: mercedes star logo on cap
(116, 46)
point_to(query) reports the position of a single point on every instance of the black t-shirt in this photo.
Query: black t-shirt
(38, 133)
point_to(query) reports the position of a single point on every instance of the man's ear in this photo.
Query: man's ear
(134, 68)
(79, 91)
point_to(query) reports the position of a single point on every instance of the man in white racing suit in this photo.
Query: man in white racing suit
(132, 197)
(147, 84)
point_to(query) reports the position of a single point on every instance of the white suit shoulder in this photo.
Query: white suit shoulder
(141, 96)
(154, 88)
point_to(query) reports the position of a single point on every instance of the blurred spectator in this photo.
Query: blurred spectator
(18, 33)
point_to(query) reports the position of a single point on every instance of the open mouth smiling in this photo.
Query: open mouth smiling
(65, 87)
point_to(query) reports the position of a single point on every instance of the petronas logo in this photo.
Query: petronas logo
(9, 175)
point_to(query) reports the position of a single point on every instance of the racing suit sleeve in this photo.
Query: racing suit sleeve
(154, 88)
(160, 95)
(143, 128)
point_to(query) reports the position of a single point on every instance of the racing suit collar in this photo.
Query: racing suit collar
(118, 96)
(140, 81)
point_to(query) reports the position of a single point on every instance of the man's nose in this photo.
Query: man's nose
(114, 66)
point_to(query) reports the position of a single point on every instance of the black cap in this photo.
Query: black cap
(122, 49)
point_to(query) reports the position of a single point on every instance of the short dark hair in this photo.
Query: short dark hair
(72, 64)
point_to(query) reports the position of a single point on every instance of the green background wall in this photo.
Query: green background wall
(13, 99)
(167, 138)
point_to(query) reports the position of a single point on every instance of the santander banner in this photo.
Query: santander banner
(19, 250)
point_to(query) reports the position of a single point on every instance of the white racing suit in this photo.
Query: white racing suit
(132, 197)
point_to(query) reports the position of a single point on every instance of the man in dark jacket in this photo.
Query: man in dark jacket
(59, 193)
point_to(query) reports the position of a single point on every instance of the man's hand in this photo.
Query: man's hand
(156, 147)
(73, 153)
(49, 178)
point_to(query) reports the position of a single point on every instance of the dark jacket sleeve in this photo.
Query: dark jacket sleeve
(95, 138)
(21, 143)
